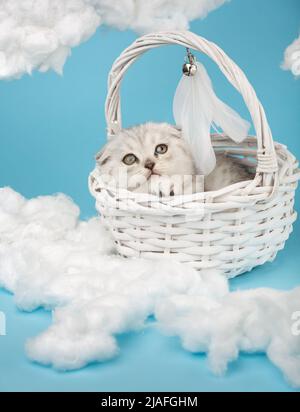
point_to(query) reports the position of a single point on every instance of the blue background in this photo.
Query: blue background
(50, 129)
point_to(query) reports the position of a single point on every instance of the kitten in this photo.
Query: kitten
(154, 158)
(150, 158)
(226, 172)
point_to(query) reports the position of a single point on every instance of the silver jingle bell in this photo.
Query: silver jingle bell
(189, 69)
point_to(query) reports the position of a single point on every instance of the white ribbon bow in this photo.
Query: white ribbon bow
(196, 108)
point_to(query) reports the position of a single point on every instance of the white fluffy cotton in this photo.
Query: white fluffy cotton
(292, 58)
(147, 16)
(258, 320)
(49, 258)
(39, 34)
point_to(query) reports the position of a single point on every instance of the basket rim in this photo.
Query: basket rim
(235, 195)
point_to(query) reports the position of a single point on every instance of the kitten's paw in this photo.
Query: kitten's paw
(159, 186)
(165, 186)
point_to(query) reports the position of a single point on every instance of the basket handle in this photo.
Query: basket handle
(266, 157)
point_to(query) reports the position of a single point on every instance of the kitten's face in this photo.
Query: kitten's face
(145, 151)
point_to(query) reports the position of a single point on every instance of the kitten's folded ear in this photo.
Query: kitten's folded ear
(99, 154)
(177, 130)
(102, 157)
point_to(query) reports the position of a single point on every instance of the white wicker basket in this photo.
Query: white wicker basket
(233, 229)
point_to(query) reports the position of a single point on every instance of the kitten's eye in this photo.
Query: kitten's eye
(161, 149)
(129, 159)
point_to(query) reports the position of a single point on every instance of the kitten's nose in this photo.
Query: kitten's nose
(149, 164)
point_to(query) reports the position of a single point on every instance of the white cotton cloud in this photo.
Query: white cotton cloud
(39, 34)
(258, 320)
(147, 16)
(292, 58)
(49, 258)
(125, 304)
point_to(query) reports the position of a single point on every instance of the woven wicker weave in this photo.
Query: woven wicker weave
(233, 229)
